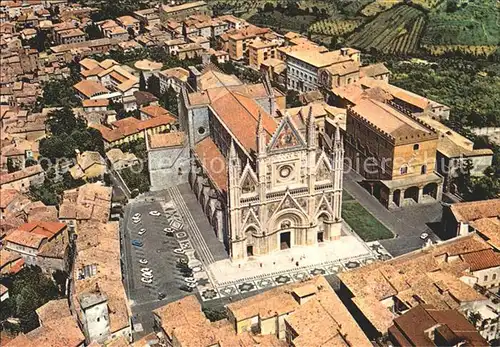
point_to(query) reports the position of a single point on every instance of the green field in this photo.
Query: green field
(399, 27)
(476, 24)
(363, 222)
(394, 31)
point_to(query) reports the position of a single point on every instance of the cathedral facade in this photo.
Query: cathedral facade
(264, 186)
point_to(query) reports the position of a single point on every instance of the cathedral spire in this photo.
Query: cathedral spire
(261, 137)
(311, 130)
(338, 139)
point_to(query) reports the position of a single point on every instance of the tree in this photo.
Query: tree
(169, 101)
(93, 32)
(153, 86)
(63, 121)
(142, 82)
(474, 318)
(131, 33)
(292, 99)
(12, 166)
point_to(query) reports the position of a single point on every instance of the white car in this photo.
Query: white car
(150, 276)
(137, 216)
(143, 261)
(135, 221)
(191, 285)
(190, 279)
(142, 231)
(146, 270)
(146, 280)
(154, 213)
(179, 251)
(424, 236)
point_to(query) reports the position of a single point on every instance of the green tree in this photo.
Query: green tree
(292, 99)
(64, 121)
(12, 166)
(169, 101)
(93, 32)
(153, 86)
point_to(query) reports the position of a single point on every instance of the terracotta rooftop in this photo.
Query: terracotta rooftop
(171, 139)
(184, 322)
(155, 111)
(130, 126)
(53, 310)
(91, 201)
(90, 88)
(21, 174)
(99, 244)
(95, 103)
(413, 328)
(389, 120)
(213, 162)
(59, 333)
(32, 234)
(481, 260)
(470, 211)
(432, 275)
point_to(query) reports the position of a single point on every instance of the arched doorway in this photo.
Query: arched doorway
(411, 194)
(322, 227)
(249, 241)
(430, 190)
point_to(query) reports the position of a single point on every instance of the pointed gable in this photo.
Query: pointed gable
(249, 180)
(286, 137)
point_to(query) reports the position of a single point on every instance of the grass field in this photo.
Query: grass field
(334, 27)
(396, 31)
(363, 222)
(474, 24)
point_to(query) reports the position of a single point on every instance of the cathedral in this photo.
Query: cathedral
(264, 185)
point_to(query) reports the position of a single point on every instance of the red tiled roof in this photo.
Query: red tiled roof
(48, 229)
(481, 260)
(129, 126)
(241, 114)
(213, 162)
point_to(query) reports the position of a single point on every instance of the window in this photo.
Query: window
(201, 130)
(494, 277)
(423, 169)
(485, 278)
(403, 170)
(416, 146)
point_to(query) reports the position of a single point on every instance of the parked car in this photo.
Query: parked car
(142, 231)
(154, 213)
(143, 261)
(190, 279)
(137, 243)
(424, 236)
(136, 221)
(179, 251)
(146, 269)
(186, 288)
(136, 216)
(161, 296)
(191, 285)
(150, 276)
(146, 280)
(169, 231)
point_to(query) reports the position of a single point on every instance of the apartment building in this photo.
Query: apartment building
(239, 40)
(22, 180)
(44, 244)
(129, 23)
(259, 51)
(148, 16)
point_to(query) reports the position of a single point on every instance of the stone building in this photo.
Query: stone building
(264, 186)
(395, 152)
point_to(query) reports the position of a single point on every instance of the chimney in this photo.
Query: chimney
(343, 51)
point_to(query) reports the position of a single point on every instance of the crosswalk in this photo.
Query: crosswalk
(192, 229)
